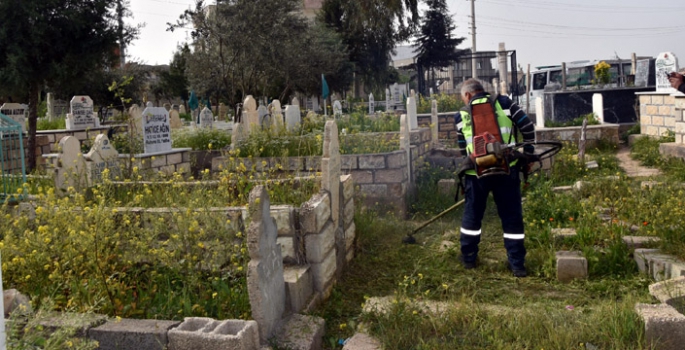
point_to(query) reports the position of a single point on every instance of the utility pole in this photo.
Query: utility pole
(474, 68)
(122, 44)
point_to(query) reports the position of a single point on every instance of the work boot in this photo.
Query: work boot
(518, 272)
(468, 265)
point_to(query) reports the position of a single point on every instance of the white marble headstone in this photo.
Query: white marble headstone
(16, 112)
(295, 102)
(70, 167)
(293, 117)
(263, 115)
(82, 115)
(276, 113)
(102, 156)
(206, 118)
(431, 92)
(396, 93)
(157, 130)
(372, 104)
(387, 100)
(412, 113)
(135, 120)
(337, 109)
(250, 112)
(666, 63)
(182, 109)
(175, 119)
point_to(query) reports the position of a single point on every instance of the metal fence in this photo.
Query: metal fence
(12, 163)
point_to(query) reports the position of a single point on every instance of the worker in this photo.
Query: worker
(507, 117)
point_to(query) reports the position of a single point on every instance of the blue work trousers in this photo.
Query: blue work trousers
(506, 190)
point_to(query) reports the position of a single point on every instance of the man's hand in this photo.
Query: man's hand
(676, 79)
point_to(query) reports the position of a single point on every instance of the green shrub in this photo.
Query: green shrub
(57, 123)
(201, 139)
(591, 120)
(446, 103)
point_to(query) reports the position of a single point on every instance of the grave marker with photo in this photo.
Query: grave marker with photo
(666, 63)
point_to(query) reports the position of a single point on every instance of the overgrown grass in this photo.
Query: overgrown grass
(487, 307)
(57, 123)
(201, 139)
(591, 120)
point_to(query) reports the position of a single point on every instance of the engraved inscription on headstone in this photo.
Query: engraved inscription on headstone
(156, 130)
(82, 115)
(206, 118)
(16, 112)
(666, 63)
(372, 104)
(642, 73)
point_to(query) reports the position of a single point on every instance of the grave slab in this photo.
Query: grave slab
(571, 266)
(663, 326)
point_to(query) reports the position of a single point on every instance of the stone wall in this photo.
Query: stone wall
(447, 130)
(677, 148)
(594, 133)
(176, 160)
(53, 136)
(657, 113)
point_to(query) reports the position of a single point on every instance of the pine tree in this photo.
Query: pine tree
(436, 45)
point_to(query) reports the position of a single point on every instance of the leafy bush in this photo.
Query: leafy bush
(57, 123)
(591, 120)
(201, 139)
(446, 103)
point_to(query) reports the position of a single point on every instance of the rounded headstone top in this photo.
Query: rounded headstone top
(250, 104)
(149, 104)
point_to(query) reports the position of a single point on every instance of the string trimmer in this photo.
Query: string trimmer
(493, 154)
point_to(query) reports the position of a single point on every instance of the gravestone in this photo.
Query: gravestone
(337, 109)
(413, 94)
(276, 113)
(60, 108)
(149, 104)
(387, 100)
(16, 112)
(396, 94)
(642, 73)
(405, 141)
(167, 106)
(251, 116)
(293, 118)
(295, 102)
(434, 121)
(666, 63)
(156, 130)
(412, 114)
(598, 107)
(263, 115)
(223, 111)
(175, 120)
(182, 109)
(330, 167)
(70, 167)
(265, 282)
(136, 121)
(82, 115)
(102, 156)
(49, 100)
(372, 104)
(431, 92)
(175, 107)
(206, 118)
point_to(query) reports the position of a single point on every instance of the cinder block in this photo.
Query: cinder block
(158, 161)
(348, 162)
(389, 176)
(132, 334)
(347, 183)
(397, 159)
(288, 252)
(285, 219)
(315, 213)
(319, 245)
(563, 233)
(298, 287)
(80, 322)
(302, 333)
(323, 273)
(199, 333)
(637, 242)
(663, 326)
(571, 266)
(641, 257)
(670, 292)
(372, 162)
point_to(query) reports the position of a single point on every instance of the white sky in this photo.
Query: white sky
(543, 32)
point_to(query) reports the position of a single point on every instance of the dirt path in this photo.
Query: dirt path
(632, 167)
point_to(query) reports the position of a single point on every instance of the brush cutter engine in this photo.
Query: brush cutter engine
(490, 156)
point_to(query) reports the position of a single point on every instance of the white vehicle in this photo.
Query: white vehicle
(579, 75)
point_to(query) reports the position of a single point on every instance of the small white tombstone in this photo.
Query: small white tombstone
(157, 130)
(539, 113)
(413, 94)
(16, 112)
(149, 104)
(412, 113)
(175, 120)
(642, 73)
(82, 115)
(60, 108)
(295, 102)
(293, 117)
(182, 109)
(70, 167)
(276, 113)
(102, 156)
(337, 109)
(666, 63)
(372, 104)
(50, 100)
(263, 115)
(598, 107)
(387, 100)
(431, 92)
(251, 116)
(206, 118)
(396, 93)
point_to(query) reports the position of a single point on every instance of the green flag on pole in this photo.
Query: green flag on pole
(324, 87)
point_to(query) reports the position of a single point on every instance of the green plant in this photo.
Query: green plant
(201, 139)
(591, 120)
(57, 123)
(446, 103)
(602, 73)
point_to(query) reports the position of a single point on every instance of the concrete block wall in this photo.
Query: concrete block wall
(176, 160)
(447, 130)
(657, 113)
(53, 136)
(594, 133)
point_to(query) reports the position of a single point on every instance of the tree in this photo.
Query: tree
(371, 29)
(174, 82)
(435, 44)
(54, 42)
(241, 49)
